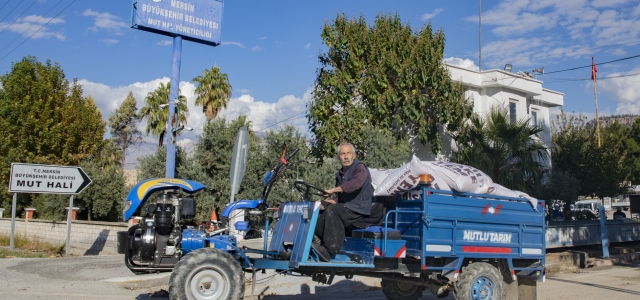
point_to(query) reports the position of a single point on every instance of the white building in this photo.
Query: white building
(524, 97)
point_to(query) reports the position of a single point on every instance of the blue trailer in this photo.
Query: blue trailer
(477, 246)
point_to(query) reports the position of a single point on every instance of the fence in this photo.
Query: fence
(87, 237)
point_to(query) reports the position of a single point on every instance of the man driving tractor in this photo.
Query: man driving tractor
(351, 202)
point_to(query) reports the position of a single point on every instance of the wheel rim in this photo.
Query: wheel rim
(482, 289)
(208, 283)
(405, 288)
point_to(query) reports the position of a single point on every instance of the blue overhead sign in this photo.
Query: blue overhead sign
(195, 20)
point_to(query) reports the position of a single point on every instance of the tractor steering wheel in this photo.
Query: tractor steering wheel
(307, 190)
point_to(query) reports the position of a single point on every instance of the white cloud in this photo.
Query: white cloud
(463, 63)
(636, 11)
(587, 23)
(232, 44)
(256, 48)
(624, 90)
(428, 16)
(110, 42)
(263, 38)
(165, 43)
(307, 46)
(608, 3)
(243, 91)
(32, 26)
(261, 114)
(619, 52)
(289, 110)
(105, 21)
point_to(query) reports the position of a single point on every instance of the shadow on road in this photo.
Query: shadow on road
(597, 286)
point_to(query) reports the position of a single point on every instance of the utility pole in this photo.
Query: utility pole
(594, 70)
(480, 36)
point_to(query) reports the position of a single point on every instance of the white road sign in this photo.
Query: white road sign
(47, 179)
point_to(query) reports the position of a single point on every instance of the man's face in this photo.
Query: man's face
(346, 155)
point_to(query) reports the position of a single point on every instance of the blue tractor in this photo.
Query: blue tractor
(476, 246)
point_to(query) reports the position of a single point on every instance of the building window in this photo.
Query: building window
(534, 118)
(513, 114)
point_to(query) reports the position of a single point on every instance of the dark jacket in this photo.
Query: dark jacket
(360, 200)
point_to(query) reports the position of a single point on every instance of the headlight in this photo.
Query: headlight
(127, 205)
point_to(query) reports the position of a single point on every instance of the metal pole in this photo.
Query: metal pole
(480, 36)
(173, 108)
(13, 220)
(595, 95)
(69, 225)
(603, 233)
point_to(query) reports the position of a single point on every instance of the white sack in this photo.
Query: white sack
(402, 179)
(378, 176)
(461, 178)
(499, 190)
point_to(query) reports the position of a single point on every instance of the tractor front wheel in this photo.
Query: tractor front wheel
(207, 274)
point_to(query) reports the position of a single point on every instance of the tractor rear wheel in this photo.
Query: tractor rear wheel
(399, 290)
(207, 274)
(479, 281)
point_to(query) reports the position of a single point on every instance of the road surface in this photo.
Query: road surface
(106, 277)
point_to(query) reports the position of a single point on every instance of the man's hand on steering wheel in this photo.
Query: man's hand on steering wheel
(307, 190)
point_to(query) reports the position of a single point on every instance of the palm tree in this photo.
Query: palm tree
(156, 116)
(213, 91)
(511, 153)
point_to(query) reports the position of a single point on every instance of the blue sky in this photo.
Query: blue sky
(269, 48)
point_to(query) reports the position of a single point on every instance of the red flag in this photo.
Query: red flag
(594, 70)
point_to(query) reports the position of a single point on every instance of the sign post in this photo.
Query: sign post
(236, 173)
(13, 221)
(193, 20)
(46, 179)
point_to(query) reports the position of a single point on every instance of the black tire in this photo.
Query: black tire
(209, 274)
(479, 281)
(398, 290)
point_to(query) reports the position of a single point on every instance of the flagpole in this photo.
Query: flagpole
(595, 95)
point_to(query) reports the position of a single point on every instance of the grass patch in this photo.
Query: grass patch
(28, 248)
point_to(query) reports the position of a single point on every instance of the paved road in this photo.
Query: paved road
(105, 277)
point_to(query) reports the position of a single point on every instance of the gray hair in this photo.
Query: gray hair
(353, 149)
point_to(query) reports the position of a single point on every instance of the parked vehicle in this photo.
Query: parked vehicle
(477, 246)
(590, 205)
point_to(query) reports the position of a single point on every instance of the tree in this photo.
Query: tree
(388, 76)
(511, 153)
(102, 200)
(124, 125)
(382, 150)
(601, 172)
(211, 162)
(44, 118)
(213, 91)
(156, 116)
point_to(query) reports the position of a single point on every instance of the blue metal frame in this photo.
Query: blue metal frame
(439, 219)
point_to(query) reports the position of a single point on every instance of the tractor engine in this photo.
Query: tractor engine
(154, 244)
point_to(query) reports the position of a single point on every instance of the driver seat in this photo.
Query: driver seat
(376, 218)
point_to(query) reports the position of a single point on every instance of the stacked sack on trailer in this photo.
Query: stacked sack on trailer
(444, 176)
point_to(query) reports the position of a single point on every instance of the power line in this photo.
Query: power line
(589, 66)
(7, 45)
(11, 10)
(584, 50)
(38, 29)
(287, 119)
(585, 79)
(14, 20)
(5, 4)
